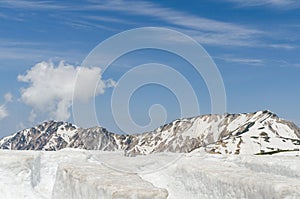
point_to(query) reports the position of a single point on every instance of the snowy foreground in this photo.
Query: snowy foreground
(95, 174)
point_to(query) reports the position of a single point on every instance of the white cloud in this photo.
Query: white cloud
(50, 88)
(10, 17)
(3, 109)
(8, 97)
(274, 3)
(283, 46)
(208, 31)
(33, 52)
(3, 112)
(284, 63)
(204, 30)
(32, 116)
(28, 4)
(248, 61)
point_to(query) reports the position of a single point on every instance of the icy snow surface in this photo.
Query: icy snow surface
(95, 174)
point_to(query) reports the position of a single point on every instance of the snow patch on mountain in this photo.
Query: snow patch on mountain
(261, 132)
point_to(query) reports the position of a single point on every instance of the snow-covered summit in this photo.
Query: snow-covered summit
(247, 133)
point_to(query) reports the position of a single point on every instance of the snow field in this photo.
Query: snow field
(85, 174)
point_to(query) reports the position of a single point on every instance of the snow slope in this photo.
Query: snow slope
(86, 174)
(248, 133)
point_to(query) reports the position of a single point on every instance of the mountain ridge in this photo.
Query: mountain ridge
(246, 133)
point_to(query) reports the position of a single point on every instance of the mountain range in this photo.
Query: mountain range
(261, 132)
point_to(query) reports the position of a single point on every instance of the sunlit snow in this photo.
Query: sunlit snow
(72, 173)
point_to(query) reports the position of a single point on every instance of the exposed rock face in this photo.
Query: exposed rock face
(50, 136)
(253, 133)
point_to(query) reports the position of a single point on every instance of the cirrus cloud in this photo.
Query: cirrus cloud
(274, 3)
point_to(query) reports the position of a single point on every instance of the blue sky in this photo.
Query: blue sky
(255, 46)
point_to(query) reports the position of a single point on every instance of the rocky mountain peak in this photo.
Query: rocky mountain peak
(246, 133)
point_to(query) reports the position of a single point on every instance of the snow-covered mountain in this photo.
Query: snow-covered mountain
(261, 132)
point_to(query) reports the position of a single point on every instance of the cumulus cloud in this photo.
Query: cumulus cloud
(50, 88)
(3, 112)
